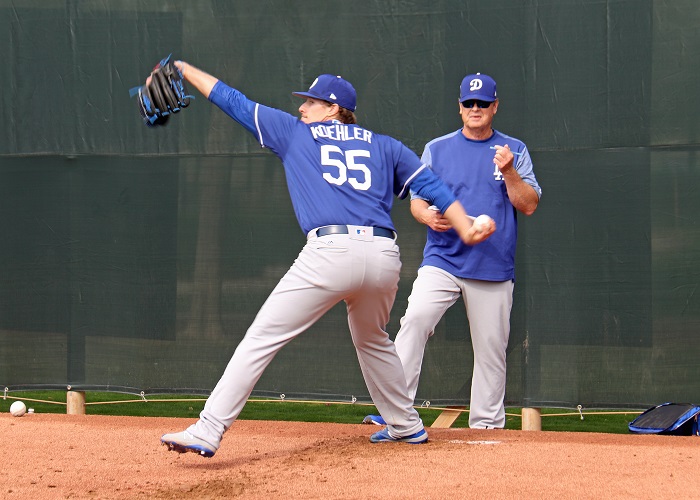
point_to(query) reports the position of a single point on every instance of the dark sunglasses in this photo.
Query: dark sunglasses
(469, 103)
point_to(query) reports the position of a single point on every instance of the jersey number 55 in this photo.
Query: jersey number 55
(361, 176)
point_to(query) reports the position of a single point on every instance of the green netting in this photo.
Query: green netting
(136, 258)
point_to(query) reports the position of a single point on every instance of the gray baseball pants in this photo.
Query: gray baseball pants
(488, 305)
(361, 270)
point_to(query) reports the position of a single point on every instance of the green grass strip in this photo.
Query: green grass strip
(109, 403)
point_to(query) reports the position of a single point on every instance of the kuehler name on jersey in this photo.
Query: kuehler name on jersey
(341, 132)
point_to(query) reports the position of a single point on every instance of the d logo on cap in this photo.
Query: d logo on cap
(478, 86)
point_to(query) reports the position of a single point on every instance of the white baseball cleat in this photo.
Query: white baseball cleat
(183, 442)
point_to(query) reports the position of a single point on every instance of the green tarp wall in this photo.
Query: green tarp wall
(134, 259)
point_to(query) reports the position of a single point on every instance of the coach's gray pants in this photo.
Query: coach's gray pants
(488, 306)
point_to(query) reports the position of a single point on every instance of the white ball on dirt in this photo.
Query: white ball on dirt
(18, 408)
(481, 222)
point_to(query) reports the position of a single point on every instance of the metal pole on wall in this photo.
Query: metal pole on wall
(75, 402)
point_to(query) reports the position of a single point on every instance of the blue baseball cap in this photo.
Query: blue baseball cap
(478, 86)
(333, 89)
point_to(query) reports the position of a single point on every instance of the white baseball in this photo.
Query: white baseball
(18, 408)
(481, 222)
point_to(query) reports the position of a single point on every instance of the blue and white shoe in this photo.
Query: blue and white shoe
(383, 437)
(183, 442)
(373, 419)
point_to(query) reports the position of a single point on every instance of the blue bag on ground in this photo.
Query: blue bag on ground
(678, 419)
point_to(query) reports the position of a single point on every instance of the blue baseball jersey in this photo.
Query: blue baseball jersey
(336, 173)
(467, 167)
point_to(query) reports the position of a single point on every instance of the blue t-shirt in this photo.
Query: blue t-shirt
(467, 167)
(336, 173)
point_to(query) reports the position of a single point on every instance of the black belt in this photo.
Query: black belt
(378, 231)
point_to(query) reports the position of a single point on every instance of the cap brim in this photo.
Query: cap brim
(487, 98)
(305, 94)
(313, 96)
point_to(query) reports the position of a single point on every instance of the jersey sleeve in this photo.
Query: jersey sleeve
(271, 127)
(526, 172)
(235, 104)
(407, 166)
(427, 159)
(414, 175)
(430, 188)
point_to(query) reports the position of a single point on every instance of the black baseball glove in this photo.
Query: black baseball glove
(165, 94)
